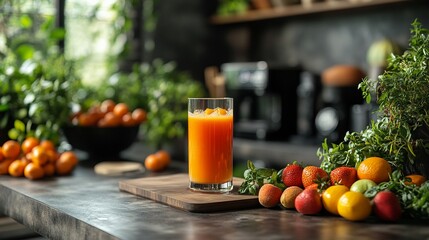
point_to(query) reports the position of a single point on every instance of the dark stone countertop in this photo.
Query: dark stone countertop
(89, 206)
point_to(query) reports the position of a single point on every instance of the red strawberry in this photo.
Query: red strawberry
(313, 186)
(292, 175)
(311, 174)
(344, 175)
(308, 202)
(386, 206)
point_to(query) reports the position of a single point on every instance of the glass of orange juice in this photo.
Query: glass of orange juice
(210, 125)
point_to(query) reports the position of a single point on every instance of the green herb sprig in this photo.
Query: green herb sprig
(255, 177)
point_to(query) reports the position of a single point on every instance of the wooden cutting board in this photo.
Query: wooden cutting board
(173, 190)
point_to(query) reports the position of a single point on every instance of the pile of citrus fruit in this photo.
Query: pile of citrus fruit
(310, 190)
(35, 159)
(109, 114)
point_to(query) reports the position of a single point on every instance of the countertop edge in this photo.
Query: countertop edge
(46, 220)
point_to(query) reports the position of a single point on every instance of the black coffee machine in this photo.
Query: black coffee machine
(339, 93)
(265, 99)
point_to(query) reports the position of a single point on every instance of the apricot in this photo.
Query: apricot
(269, 195)
(288, 196)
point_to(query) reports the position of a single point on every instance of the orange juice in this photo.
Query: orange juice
(210, 147)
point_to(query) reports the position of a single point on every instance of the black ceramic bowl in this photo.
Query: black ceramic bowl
(101, 141)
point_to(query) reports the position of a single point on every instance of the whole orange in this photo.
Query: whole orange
(16, 168)
(107, 105)
(53, 155)
(33, 171)
(11, 149)
(164, 157)
(110, 120)
(49, 169)
(416, 179)
(66, 163)
(2, 157)
(154, 162)
(87, 119)
(28, 144)
(374, 168)
(39, 155)
(127, 120)
(47, 145)
(139, 115)
(120, 109)
(4, 166)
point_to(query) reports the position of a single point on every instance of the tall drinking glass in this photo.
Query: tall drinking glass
(210, 125)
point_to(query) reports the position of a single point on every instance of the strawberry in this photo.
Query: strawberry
(320, 184)
(292, 175)
(309, 202)
(313, 186)
(311, 174)
(386, 206)
(344, 175)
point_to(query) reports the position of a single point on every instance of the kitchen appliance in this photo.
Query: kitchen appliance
(265, 99)
(339, 93)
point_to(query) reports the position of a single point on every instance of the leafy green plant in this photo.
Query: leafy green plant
(255, 177)
(401, 133)
(37, 81)
(230, 7)
(37, 96)
(414, 199)
(378, 139)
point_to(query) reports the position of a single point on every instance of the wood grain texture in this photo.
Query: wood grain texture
(173, 190)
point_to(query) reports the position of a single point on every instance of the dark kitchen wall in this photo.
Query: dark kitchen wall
(185, 35)
(315, 41)
(321, 40)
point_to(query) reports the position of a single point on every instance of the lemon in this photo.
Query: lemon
(331, 196)
(354, 206)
